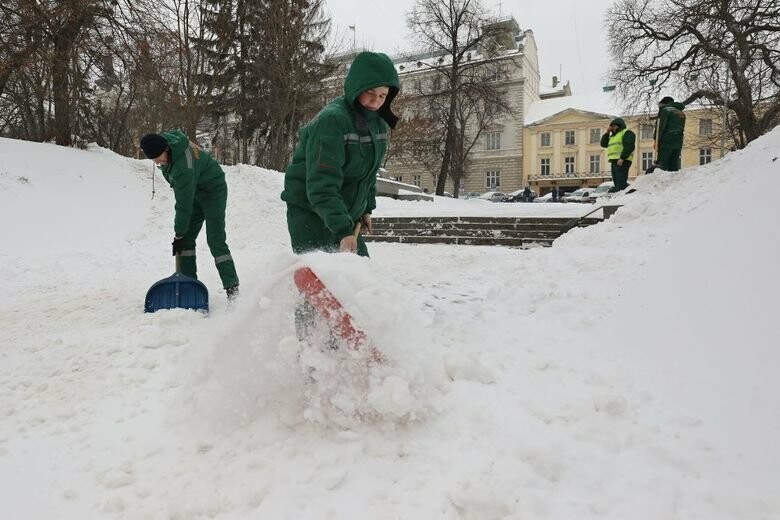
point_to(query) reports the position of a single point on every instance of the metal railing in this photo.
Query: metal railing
(565, 176)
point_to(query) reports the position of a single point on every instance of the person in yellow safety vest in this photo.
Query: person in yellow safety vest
(620, 143)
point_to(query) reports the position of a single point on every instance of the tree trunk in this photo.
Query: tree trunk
(449, 143)
(61, 88)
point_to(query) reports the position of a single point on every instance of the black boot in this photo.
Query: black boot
(232, 292)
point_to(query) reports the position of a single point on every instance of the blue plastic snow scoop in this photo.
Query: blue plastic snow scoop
(177, 292)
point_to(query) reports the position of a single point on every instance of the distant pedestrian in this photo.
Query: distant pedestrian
(554, 193)
(669, 132)
(620, 143)
(200, 190)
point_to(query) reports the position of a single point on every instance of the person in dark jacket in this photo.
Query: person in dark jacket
(330, 184)
(620, 143)
(200, 190)
(669, 131)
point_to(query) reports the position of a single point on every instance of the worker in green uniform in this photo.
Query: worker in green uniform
(669, 133)
(330, 184)
(200, 190)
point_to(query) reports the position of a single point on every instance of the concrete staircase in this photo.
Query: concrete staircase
(478, 231)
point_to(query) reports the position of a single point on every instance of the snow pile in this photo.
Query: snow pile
(627, 372)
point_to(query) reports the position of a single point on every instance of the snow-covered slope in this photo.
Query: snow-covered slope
(630, 371)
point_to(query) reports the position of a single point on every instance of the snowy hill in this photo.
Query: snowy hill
(630, 371)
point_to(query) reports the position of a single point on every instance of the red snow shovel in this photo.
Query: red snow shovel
(177, 292)
(338, 319)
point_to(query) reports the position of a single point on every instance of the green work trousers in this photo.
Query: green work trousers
(209, 207)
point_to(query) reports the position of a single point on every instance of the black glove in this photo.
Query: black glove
(177, 246)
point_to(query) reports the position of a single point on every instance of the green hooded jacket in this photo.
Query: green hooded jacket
(671, 126)
(191, 172)
(333, 169)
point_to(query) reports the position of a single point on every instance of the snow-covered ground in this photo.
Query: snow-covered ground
(628, 372)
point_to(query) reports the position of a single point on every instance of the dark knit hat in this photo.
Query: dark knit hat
(666, 100)
(153, 145)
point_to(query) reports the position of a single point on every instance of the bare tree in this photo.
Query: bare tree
(54, 55)
(418, 138)
(724, 53)
(459, 32)
(19, 39)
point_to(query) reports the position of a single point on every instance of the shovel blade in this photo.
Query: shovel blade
(177, 292)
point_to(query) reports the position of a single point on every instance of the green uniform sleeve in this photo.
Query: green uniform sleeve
(662, 117)
(371, 206)
(184, 190)
(325, 157)
(629, 144)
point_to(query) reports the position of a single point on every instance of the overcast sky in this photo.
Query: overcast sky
(569, 33)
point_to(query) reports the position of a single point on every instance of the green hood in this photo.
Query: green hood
(177, 141)
(618, 122)
(370, 70)
(678, 106)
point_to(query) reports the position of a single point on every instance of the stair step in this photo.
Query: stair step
(506, 231)
(488, 233)
(402, 226)
(479, 220)
(461, 240)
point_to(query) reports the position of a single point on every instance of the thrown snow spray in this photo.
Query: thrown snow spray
(346, 386)
(257, 369)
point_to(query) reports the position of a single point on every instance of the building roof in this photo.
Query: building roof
(604, 104)
(598, 103)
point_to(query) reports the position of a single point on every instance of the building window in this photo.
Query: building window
(493, 179)
(544, 138)
(544, 166)
(568, 165)
(705, 128)
(595, 136)
(705, 155)
(493, 140)
(400, 178)
(647, 132)
(568, 138)
(595, 163)
(647, 160)
(417, 180)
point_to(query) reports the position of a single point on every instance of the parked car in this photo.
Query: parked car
(547, 197)
(580, 195)
(601, 191)
(492, 196)
(471, 195)
(520, 196)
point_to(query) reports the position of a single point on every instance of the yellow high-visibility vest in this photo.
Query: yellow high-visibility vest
(615, 147)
